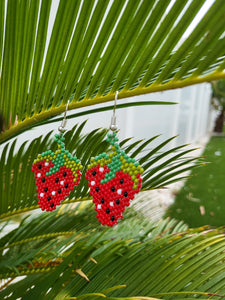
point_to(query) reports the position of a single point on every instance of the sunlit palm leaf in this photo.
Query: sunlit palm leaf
(90, 49)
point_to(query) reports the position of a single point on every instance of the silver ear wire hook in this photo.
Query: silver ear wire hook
(113, 125)
(63, 124)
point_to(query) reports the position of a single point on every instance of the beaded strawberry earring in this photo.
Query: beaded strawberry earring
(56, 173)
(114, 179)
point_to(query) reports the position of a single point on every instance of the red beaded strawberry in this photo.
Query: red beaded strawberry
(114, 179)
(56, 174)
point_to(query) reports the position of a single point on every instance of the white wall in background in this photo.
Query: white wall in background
(191, 119)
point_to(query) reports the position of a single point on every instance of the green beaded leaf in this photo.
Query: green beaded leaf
(117, 160)
(59, 158)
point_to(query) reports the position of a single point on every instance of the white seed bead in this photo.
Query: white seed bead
(119, 191)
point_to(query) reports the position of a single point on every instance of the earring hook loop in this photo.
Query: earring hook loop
(63, 124)
(113, 125)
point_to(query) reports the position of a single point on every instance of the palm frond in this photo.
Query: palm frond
(104, 46)
(147, 259)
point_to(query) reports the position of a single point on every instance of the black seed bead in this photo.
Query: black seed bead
(52, 204)
(125, 194)
(113, 189)
(64, 174)
(117, 201)
(102, 200)
(121, 181)
(46, 189)
(107, 210)
(97, 189)
(43, 179)
(94, 173)
(59, 191)
(112, 218)
(49, 198)
(57, 180)
(39, 166)
(66, 185)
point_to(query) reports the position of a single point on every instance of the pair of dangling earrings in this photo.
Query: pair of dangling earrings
(113, 178)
